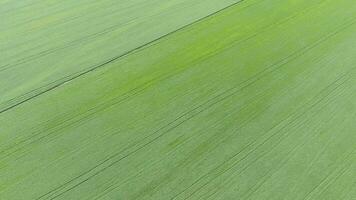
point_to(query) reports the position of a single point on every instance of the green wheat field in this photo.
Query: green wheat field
(178, 100)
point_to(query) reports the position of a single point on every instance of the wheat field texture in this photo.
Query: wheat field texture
(178, 100)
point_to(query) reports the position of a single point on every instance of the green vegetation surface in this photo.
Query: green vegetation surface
(178, 99)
